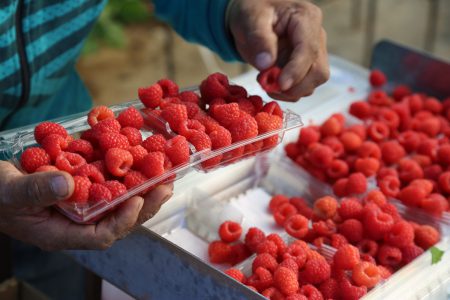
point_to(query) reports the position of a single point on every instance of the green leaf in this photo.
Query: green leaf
(436, 255)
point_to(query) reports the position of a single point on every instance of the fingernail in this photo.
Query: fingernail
(286, 84)
(59, 186)
(263, 60)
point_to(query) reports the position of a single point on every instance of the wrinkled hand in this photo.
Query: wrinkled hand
(288, 33)
(26, 213)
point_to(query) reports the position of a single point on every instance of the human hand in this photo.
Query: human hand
(288, 33)
(26, 213)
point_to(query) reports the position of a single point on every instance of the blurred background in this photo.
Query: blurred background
(130, 48)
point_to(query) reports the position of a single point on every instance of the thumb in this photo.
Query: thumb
(38, 189)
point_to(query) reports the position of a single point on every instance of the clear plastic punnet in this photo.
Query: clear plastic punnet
(14, 143)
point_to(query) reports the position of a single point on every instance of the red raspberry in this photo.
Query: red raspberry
(357, 183)
(113, 140)
(285, 280)
(230, 231)
(273, 108)
(281, 246)
(331, 127)
(46, 168)
(409, 170)
(296, 226)
(283, 212)
(389, 185)
(378, 131)
(253, 238)
(325, 207)
(214, 86)
(324, 228)
(131, 117)
(444, 182)
(269, 79)
(361, 110)
(166, 102)
(83, 148)
(428, 147)
(389, 256)
(151, 96)
(401, 235)
(154, 143)
(170, 88)
(236, 92)
(44, 129)
(100, 165)
(422, 160)
(369, 149)
(276, 201)
(337, 169)
(377, 78)
(292, 150)
(247, 106)
(350, 208)
(177, 149)
(219, 252)
(352, 230)
(359, 129)
(308, 135)
(133, 135)
(89, 136)
(298, 253)
(410, 140)
(138, 152)
(346, 257)
(189, 96)
(99, 193)
(106, 126)
(266, 261)
(175, 115)
(236, 275)
(239, 252)
(330, 289)
(432, 172)
(320, 155)
(272, 293)
(118, 161)
(366, 274)
(368, 247)
(435, 204)
(426, 236)
(389, 117)
(310, 292)
(98, 114)
(430, 126)
(315, 271)
(152, 164)
(220, 137)
(290, 264)
(199, 139)
(375, 196)
(410, 252)
(379, 98)
(348, 291)
(216, 101)
(225, 114)
(116, 188)
(261, 279)
(377, 224)
(340, 187)
(443, 155)
(392, 152)
(54, 144)
(368, 166)
(412, 195)
(80, 193)
(134, 178)
(351, 141)
(267, 123)
(385, 272)
(433, 105)
(69, 162)
(400, 92)
(267, 247)
(415, 102)
(91, 172)
(245, 127)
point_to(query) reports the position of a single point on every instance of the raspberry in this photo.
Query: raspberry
(432, 172)
(320, 155)
(412, 195)
(151, 96)
(428, 147)
(375, 196)
(400, 92)
(348, 291)
(166, 102)
(175, 115)
(385, 272)
(116, 188)
(83, 148)
(267, 247)
(368, 247)
(98, 114)
(235, 274)
(350, 208)
(290, 264)
(310, 292)
(257, 102)
(99, 192)
(283, 212)
(366, 274)
(435, 204)
(46, 168)
(133, 135)
(91, 172)
(379, 98)
(378, 131)
(389, 117)
(230, 231)
(340, 187)
(361, 110)
(138, 152)
(401, 235)
(296, 226)
(325, 207)
(54, 144)
(296, 297)
(392, 152)
(131, 117)
(236, 92)
(239, 252)
(89, 136)
(152, 164)
(352, 230)
(331, 127)
(430, 126)
(409, 170)
(444, 182)
(169, 88)
(267, 123)
(225, 114)
(80, 193)
(266, 261)
(377, 224)
(369, 149)
(253, 238)
(134, 178)
(296, 252)
(410, 140)
(214, 86)
(261, 279)
(247, 106)
(276, 201)
(177, 149)
(100, 165)
(113, 140)
(273, 108)
(118, 161)
(285, 280)
(106, 126)
(69, 162)
(389, 256)
(219, 252)
(426, 236)
(272, 293)
(368, 166)
(44, 129)
(245, 127)
(308, 136)
(410, 252)
(154, 143)
(346, 257)
(189, 96)
(269, 79)
(281, 246)
(377, 78)
(351, 141)
(357, 183)
(330, 289)
(199, 139)
(316, 271)
(389, 185)
(324, 228)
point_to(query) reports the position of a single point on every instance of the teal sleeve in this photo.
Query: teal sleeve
(200, 21)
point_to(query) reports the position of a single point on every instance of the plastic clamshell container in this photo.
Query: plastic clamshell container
(13, 146)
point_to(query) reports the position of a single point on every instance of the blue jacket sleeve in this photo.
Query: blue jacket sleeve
(200, 21)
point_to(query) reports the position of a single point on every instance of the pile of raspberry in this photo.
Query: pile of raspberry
(108, 159)
(221, 115)
(403, 137)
